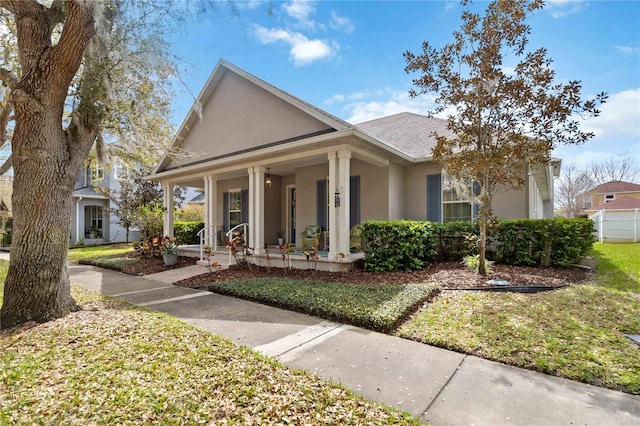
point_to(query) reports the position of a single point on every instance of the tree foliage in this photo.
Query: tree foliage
(501, 121)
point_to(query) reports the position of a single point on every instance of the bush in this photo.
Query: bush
(398, 245)
(546, 242)
(8, 232)
(187, 232)
(453, 240)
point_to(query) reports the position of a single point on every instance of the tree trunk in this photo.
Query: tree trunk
(46, 160)
(37, 284)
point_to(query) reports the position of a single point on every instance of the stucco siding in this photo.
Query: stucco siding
(396, 192)
(415, 178)
(234, 103)
(374, 190)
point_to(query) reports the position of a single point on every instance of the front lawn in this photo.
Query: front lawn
(576, 332)
(4, 268)
(618, 266)
(379, 307)
(114, 364)
(90, 252)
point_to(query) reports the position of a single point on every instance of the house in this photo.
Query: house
(614, 208)
(267, 159)
(600, 197)
(91, 219)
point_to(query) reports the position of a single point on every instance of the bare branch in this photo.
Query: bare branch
(6, 166)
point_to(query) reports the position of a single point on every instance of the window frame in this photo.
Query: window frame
(587, 202)
(450, 197)
(231, 194)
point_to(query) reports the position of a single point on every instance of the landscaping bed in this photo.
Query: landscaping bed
(446, 275)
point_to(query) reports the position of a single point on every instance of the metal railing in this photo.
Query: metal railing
(245, 234)
(203, 236)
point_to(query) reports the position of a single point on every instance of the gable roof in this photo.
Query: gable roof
(218, 72)
(622, 203)
(409, 133)
(616, 186)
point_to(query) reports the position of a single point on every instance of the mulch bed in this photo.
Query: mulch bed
(151, 265)
(446, 275)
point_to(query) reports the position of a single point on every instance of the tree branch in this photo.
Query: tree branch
(8, 77)
(6, 166)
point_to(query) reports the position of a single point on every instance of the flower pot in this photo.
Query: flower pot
(170, 259)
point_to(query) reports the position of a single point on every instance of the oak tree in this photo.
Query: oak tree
(501, 120)
(74, 73)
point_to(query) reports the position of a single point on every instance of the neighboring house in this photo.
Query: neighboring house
(266, 158)
(91, 220)
(197, 200)
(600, 197)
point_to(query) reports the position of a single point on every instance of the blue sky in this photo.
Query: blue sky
(346, 56)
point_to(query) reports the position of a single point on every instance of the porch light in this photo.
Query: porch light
(336, 199)
(267, 181)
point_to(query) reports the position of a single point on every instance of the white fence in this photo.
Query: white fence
(617, 227)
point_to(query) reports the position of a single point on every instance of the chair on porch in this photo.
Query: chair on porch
(355, 238)
(310, 235)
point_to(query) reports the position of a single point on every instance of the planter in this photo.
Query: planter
(170, 259)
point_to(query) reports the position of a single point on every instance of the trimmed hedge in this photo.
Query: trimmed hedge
(452, 240)
(547, 242)
(187, 232)
(409, 245)
(398, 245)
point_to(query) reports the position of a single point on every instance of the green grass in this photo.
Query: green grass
(114, 364)
(618, 266)
(89, 252)
(4, 268)
(576, 332)
(379, 307)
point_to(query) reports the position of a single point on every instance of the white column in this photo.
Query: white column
(258, 224)
(252, 215)
(167, 228)
(79, 223)
(333, 212)
(344, 172)
(210, 205)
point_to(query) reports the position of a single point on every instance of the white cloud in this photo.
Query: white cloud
(301, 11)
(562, 8)
(341, 23)
(619, 117)
(368, 105)
(626, 50)
(303, 50)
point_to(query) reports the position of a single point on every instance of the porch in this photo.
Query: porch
(282, 197)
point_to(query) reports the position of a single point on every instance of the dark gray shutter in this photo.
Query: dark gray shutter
(475, 208)
(225, 211)
(434, 198)
(244, 206)
(321, 203)
(354, 206)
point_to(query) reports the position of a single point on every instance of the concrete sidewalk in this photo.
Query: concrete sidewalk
(434, 385)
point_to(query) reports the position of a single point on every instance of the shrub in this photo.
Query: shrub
(398, 245)
(455, 240)
(187, 232)
(546, 242)
(8, 232)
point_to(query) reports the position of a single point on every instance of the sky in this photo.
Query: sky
(346, 57)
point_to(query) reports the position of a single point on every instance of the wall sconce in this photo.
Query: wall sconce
(336, 199)
(267, 181)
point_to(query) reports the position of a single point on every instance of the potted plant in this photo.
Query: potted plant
(280, 236)
(169, 253)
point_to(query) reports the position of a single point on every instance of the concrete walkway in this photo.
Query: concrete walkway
(435, 385)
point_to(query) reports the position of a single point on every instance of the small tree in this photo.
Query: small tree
(572, 182)
(502, 122)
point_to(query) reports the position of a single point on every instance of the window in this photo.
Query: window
(456, 202)
(95, 221)
(235, 208)
(93, 173)
(609, 197)
(587, 202)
